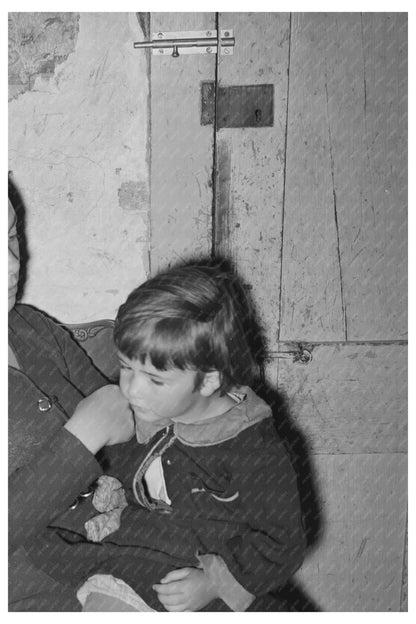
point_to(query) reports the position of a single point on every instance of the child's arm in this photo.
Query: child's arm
(265, 551)
(267, 546)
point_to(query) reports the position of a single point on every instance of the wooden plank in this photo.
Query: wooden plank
(366, 81)
(250, 162)
(405, 590)
(345, 210)
(312, 299)
(357, 565)
(350, 399)
(181, 149)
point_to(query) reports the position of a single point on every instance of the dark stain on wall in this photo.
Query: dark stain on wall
(133, 196)
(38, 42)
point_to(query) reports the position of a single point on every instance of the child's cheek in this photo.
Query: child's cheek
(122, 383)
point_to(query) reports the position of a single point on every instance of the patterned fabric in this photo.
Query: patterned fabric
(110, 500)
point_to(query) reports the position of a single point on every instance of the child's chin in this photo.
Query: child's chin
(149, 417)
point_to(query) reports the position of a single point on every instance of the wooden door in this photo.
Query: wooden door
(182, 150)
(312, 211)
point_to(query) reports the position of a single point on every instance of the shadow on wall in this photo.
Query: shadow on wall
(19, 208)
(292, 594)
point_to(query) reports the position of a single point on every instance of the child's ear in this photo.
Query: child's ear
(210, 383)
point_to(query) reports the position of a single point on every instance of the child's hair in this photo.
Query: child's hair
(190, 317)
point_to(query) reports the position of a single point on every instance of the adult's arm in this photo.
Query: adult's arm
(65, 464)
(39, 491)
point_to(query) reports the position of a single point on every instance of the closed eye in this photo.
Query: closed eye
(156, 382)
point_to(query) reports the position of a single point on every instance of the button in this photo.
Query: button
(44, 404)
(88, 492)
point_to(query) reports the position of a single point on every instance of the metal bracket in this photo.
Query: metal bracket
(190, 42)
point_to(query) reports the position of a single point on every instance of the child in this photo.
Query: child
(212, 518)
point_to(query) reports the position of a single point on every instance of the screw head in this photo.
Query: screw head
(208, 33)
(161, 51)
(160, 35)
(226, 34)
(209, 50)
(226, 51)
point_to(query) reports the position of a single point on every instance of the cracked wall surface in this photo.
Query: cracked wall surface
(78, 125)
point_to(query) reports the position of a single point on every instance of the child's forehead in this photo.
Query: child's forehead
(147, 367)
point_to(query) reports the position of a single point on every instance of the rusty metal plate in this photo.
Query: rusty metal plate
(248, 106)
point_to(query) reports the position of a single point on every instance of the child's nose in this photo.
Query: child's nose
(136, 386)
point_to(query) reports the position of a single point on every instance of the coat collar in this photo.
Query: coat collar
(248, 410)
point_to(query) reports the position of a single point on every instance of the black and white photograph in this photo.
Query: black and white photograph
(208, 310)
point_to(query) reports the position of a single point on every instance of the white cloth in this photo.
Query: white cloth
(155, 481)
(108, 585)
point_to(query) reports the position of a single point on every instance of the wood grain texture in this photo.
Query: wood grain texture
(357, 566)
(312, 303)
(181, 149)
(350, 398)
(367, 106)
(404, 606)
(249, 202)
(344, 262)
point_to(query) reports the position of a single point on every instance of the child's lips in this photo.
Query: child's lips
(137, 409)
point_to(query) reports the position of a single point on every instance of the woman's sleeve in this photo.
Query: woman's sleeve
(41, 490)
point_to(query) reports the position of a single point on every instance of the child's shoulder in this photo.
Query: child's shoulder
(247, 412)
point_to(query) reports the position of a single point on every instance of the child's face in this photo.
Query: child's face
(158, 396)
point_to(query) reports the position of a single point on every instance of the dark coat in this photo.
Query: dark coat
(48, 466)
(233, 493)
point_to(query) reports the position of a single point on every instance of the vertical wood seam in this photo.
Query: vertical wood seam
(144, 20)
(334, 194)
(284, 183)
(364, 73)
(214, 148)
(404, 566)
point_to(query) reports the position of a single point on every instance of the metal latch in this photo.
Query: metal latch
(299, 355)
(190, 42)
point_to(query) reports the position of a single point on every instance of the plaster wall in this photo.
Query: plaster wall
(78, 135)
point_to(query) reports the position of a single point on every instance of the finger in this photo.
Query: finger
(172, 602)
(167, 589)
(177, 599)
(176, 575)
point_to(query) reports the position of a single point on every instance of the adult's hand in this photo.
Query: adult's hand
(103, 418)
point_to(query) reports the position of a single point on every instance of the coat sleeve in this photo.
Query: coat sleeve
(269, 544)
(41, 490)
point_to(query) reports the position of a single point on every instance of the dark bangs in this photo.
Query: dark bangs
(168, 342)
(191, 318)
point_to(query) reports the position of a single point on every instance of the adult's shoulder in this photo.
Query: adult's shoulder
(23, 312)
(26, 322)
